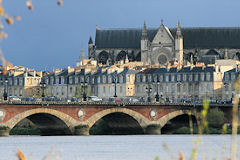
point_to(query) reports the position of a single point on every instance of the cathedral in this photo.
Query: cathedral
(158, 46)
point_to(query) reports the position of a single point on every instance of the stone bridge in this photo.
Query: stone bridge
(77, 118)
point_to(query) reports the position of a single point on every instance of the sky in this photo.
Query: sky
(52, 36)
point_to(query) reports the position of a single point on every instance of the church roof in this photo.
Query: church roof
(202, 37)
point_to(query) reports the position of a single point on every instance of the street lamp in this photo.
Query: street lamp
(149, 91)
(43, 86)
(157, 95)
(5, 95)
(115, 83)
(83, 84)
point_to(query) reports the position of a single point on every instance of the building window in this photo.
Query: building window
(52, 91)
(190, 77)
(173, 78)
(184, 77)
(20, 92)
(196, 76)
(184, 88)
(62, 91)
(57, 91)
(233, 76)
(104, 79)
(202, 76)
(167, 78)
(202, 88)
(104, 89)
(15, 91)
(178, 77)
(161, 78)
(70, 91)
(120, 89)
(208, 76)
(138, 88)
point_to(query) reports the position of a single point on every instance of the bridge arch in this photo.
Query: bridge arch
(143, 122)
(64, 118)
(163, 120)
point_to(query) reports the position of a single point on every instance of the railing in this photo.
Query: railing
(46, 103)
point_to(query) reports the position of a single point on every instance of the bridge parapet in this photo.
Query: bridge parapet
(46, 103)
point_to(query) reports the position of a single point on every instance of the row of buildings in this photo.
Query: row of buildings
(174, 63)
(129, 79)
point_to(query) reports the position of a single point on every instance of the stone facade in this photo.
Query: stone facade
(161, 45)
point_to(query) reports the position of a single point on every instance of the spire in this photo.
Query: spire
(191, 59)
(178, 33)
(144, 32)
(82, 55)
(226, 54)
(90, 40)
(126, 60)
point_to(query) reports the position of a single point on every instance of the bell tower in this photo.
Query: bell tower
(144, 44)
(179, 45)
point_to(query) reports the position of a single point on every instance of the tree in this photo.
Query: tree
(215, 118)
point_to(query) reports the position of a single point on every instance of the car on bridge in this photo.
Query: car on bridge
(94, 99)
(14, 99)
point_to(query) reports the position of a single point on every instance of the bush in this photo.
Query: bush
(183, 130)
(215, 118)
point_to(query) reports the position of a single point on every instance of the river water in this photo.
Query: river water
(144, 147)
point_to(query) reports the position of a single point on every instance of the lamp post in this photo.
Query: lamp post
(43, 86)
(83, 84)
(157, 95)
(5, 95)
(149, 91)
(178, 90)
(115, 83)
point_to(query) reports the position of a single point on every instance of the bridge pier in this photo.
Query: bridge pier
(82, 130)
(4, 131)
(153, 129)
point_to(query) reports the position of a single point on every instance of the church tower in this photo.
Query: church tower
(144, 44)
(90, 48)
(179, 45)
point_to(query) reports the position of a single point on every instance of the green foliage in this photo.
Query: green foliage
(215, 118)
(25, 131)
(183, 130)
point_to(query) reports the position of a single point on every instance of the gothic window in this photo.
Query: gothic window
(121, 56)
(120, 89)
(138, 57)
(104, 89)
(162, 59)
(103, 57)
